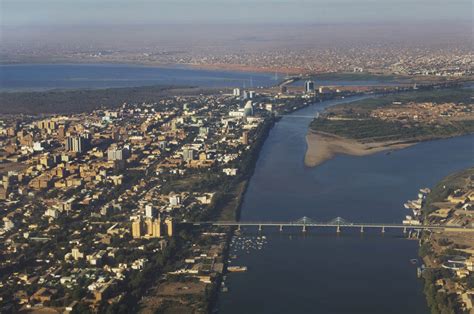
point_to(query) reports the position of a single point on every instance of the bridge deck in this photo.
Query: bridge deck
(336, 225)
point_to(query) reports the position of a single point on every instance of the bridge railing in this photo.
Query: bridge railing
(332, 223)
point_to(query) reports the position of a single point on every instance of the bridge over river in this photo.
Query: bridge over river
(338, 223)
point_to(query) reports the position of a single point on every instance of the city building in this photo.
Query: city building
(248, 94)
(169, 226)
(156, 227)
(76, 254)
(175, 200)
(188, 154)
(77, 144)
(114, 153)
(137, 229)
(248, 109)
(150, 211)
(324, 90)
(309, 87)
(245, 138)
(148, 228)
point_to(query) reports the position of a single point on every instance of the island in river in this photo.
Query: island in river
(389, 122)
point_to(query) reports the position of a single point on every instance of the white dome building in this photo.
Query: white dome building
(248, 109)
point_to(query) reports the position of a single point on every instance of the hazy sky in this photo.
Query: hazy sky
(74, 12)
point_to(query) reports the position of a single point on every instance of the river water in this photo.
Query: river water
(320, 272)
(27, 77)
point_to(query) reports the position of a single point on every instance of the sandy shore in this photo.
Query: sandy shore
(323, 146)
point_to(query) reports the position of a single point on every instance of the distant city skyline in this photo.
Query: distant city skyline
(67, 12)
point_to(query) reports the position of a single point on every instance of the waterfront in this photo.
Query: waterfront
(314, 273)
(321, 272)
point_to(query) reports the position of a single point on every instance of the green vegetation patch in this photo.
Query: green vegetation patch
(445, 187)
(438, 301)
(83, 100)
(456, 95)
(373, 130)
(353, 120)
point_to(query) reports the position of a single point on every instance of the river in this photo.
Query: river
(37, 77)
(27, 77)
(320, 272)
(294, 273)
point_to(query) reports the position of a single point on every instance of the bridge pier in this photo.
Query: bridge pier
(306, 224)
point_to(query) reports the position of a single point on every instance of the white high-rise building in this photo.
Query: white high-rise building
(150, 211)
(309, 87)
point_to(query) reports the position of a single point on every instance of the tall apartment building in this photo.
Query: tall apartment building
(309, 87)
(150, 211)
(169, 226)
(188, 154)
(137, 229)
(115, 153)
(151, 228)
(77, 144)
(245, 138)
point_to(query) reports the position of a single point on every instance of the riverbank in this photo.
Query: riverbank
(282, 190)
(389, 122)
(448, 286)
(322, 147)
(177, 294)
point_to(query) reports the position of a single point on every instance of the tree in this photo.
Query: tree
(78, 293)
(470, 281)
(81, 308)
(425, 249)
